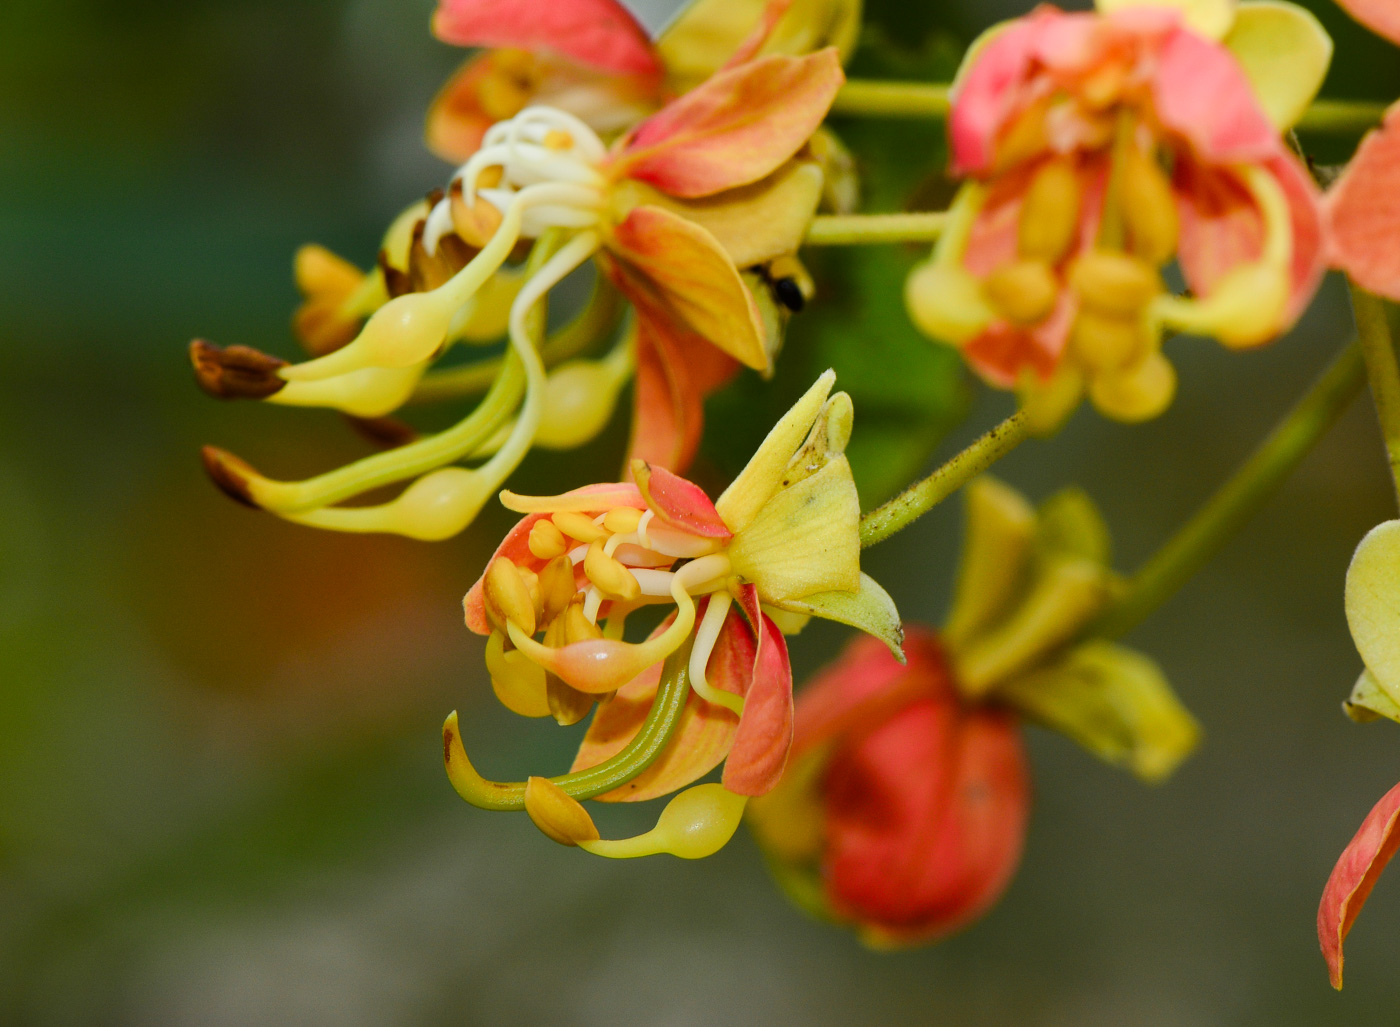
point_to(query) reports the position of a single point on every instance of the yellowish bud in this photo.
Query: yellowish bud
(1148, 208)
(507, 596)
(1136, 393)
(1103, 342)
(1024, 291)
(547, 541)
(607, 573)
(621, 520)
(557, 814)
(946, 303)
(1114, 283)
(1050, 213)
(578, 526)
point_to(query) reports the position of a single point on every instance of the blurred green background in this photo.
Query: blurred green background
(221, 791)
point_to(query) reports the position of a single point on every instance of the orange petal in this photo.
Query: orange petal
(764, 736)
(1362, 212)
(773, 12)
(1380, 16)
(669, 265)
(457, 118)
(1354, 876)
(599, 33)
(668, 413)
(735, 128)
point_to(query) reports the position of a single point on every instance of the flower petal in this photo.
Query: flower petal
(680, 503)
(1362, 212)
(1373, 603)
(671, 264)
(869, 608)
(1208, 17)
(1201, 92)
(1285, 52)
(457, 118)
(735, 128)
(599, 33)
(1380, 16)
(764, 736)
(1354, 876)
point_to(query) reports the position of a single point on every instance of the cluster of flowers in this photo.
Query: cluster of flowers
(1095, 150)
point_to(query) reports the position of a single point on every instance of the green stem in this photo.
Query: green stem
(921, 497)
(868, 229)
(1239, 498)
(1341, 116)
(639, 754)
(931, 100)
(1373, 334)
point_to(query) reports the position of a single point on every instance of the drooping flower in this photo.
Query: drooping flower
(1373, 614)
(1098, 147)
(712, 682)
(591, 59)
(684, 213)
(904, 808)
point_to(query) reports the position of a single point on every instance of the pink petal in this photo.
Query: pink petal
(984, 98)
(735, 128)
(1380, 16)
(516, 545)
(773, 12)
(680, 503)
(667, 412)
(1202, 94)
(1354, 876)
(764, 736)
(599, 33)
(1362, 211)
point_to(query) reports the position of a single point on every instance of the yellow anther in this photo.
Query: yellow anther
(577, 626)
(567, 705)
(1024, 291)
(476, 222)
(547, 541)
(1050, 213)
(1148, 207)
(621, 520)
(1103, 342)
(502, 96)
(556, 587)
(518, 682)
(1103, 87)
(532, 586)
(607, 573)
(558, 139)
(1048, 404)
(508, 597)
(1114, 283)
(578, 526)
(557, 814)
(946, 303)
(1025, 138)
(1136, 393)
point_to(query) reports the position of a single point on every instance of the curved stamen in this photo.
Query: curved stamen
(705, 638)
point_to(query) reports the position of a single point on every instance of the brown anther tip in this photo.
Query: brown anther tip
(229, 473)
(388, 432)
(235, 372)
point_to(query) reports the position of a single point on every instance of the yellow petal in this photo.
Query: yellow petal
(1373, 603)
(805, 539)
(1370, 700)
(763, 475)
(1068, 524)
(869, 608)
(996, 546)
(1211, 18)
(1285, 52)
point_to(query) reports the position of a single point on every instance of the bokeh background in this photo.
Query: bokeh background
(221, 791)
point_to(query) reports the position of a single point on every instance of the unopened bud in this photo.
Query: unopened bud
(578, 526)
(946, 303)
(1136, 393)
(1023, 291)
(1050, 213)
(547, 541)
(557, 814)
(1114, 283)
(508, 597)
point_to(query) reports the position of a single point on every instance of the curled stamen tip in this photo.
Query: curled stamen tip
(469, 784)
(235, 372)
(557, 814)
(230, 474)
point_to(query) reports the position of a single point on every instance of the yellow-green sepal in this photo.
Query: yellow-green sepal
(868, 608)
(1284, 52)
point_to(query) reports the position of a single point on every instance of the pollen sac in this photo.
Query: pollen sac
(558, 815)
(508, 597)
(236, 372)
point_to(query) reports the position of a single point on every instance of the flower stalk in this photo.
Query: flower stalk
(874, 229)
(1235, 502)
(921, 497)
(1382, 371)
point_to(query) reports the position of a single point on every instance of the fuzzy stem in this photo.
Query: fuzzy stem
(1341, 116)
(1235, 502)
(921, 497)
(871, 229)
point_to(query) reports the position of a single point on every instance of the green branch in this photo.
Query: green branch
(1373, 335)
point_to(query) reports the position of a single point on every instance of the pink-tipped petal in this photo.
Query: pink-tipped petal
(1380, 16)
(1202, 94)
(1362, 211)
(773, 12)
(599, 33)
(1354, 876)
(679, 503)
(764, 735)
(738, 126)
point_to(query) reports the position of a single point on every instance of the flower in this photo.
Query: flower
(1373, 614)
(687, 214)
(904, 809)
(1098, 147)
(1362, 216)
(906, 806)
(713, 679)
(592, 59)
